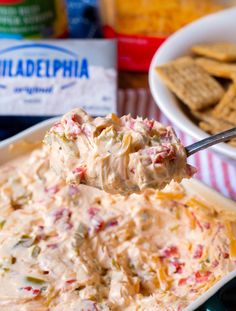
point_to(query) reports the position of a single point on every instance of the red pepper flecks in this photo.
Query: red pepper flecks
(98, 223)
(80, 171)
(71, 281)
(158, 156)
(45, 272)
(178, 266)
(112, 223)
(171, 251)
(92, 211)
(63, 214)
(52, 245)
(215, 263)
(57, 128)
(207, 225)
(149, 124)
(27, 288)
(75, 118)
(225, 255)
(35, 291)
(202, 276)
(198, 252)
(132, 170)
(182, 281)
(96, 220)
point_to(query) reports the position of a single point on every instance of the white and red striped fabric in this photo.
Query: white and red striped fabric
(212, 170)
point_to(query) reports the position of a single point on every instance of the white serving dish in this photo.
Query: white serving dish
(36, 134)
(218, 27)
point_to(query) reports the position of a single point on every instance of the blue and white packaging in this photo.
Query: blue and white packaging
(83, 19)
(50, 77)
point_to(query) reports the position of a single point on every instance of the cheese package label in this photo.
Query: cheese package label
(50, 77)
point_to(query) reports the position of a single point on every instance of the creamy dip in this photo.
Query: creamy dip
(72, 248)
(118, 155)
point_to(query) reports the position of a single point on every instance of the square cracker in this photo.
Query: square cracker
(203, 115)
(191, 83)
(233, 77)
(232, 142)
(226, 108)
(216, 68)
(212, 125)
(207, 127)
(219, 51)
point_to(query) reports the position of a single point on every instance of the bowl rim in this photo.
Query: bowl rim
(188, 126)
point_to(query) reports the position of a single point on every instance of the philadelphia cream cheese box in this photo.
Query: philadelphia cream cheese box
(50, 77)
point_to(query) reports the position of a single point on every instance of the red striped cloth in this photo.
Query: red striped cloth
(212, 170)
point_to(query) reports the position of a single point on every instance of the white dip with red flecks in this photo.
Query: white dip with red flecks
(67, 247)
(118, 155)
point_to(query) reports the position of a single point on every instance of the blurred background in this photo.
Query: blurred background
(139, 26)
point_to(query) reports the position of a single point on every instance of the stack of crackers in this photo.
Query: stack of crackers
(206, 84)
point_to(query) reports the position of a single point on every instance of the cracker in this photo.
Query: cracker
(226, 109)
(210, 123)
(192, 84)
(203, 115)
(219, 51)
(232, 142)
(233, 77)
(216, 126)
(216, 68)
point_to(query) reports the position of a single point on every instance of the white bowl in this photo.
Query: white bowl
(218, 27)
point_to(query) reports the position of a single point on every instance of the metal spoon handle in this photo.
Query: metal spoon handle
(210, 141)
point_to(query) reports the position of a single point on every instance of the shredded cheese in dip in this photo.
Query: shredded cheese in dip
(74, 248)
(118, 155)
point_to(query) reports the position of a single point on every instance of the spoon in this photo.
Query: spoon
(106, 153)
(210, 141)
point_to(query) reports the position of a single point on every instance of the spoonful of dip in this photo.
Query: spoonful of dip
(119, 155)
